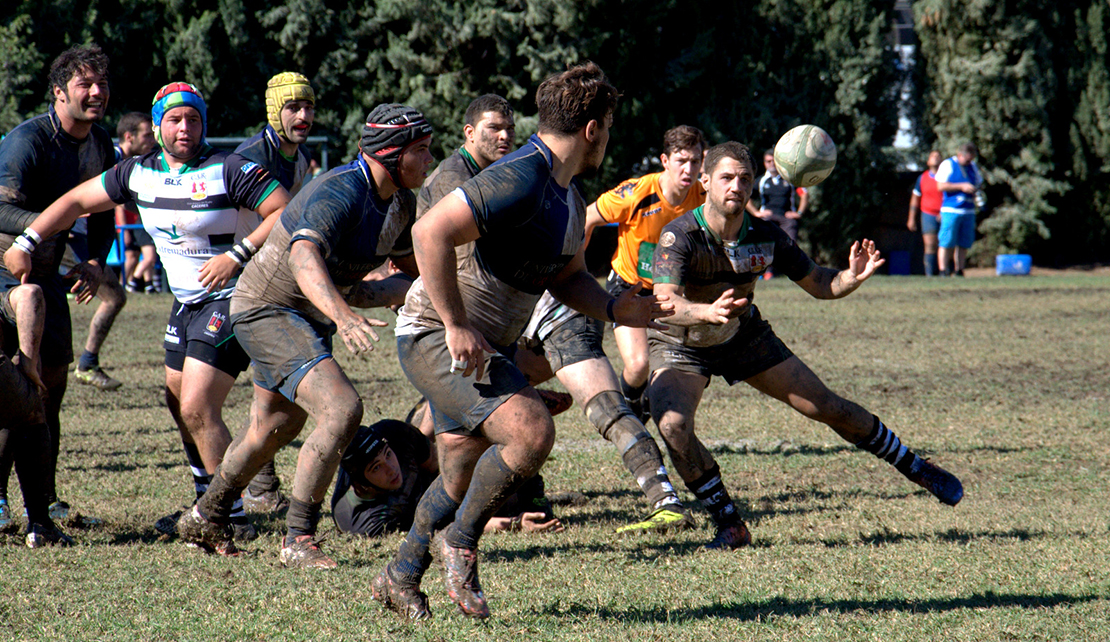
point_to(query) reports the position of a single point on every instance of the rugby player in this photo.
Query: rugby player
(708, 262)
(292, 299)
(189, 197)
(493, 433)
(40, 160)
(279, 147)
(640, 207)
(386, 469)
(23, 433)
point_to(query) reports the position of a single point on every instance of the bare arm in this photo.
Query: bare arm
(86, 197)
(307, 265)
(966, 188)
(578, 289)
(915, 209)
(687, 313)
(449, 224)
(594, 220)
(380, 293)
(827, 283)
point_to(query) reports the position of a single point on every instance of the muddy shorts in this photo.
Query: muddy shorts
(459, 405)
(283, 344)
(754, 349)
(203, 331)
(576, 340)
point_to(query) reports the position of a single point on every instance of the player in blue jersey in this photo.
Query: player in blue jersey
(708, 262)
(189, 197)
(959, 180)
(526, 219)
(40, 160)
(279, 147)
(292, 299)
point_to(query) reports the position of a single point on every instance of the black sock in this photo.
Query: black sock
(218, 502)
(634, 396)
(491, 484)
(265, 480)
(301, 519)
(201, 478)
(711, 491)
(645, 462)
(32, 448)
(435, 510)
(884, 444)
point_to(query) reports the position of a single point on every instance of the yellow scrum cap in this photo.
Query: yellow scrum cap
(283, 88)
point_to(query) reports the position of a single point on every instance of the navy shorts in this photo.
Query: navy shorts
(203, 331)
(284, 344)
(458, 405)
(752, 350)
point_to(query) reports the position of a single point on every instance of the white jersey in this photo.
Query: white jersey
(192, 212)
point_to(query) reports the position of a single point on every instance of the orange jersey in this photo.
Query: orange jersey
(638, 208)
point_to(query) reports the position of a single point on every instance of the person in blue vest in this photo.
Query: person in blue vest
(959, 179)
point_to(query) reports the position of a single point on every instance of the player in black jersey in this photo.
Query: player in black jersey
(708, 262)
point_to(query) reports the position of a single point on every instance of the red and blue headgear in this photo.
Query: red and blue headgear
(389, 131)
(177, 94)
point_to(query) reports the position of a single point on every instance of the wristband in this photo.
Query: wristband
(24, 244)
(32, 235)
(246, 244)
(234, 257)
(242, 253)
(609, 309)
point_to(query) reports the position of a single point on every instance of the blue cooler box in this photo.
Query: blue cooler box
(1012, 264)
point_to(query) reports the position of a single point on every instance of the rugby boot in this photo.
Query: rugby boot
(460, 574)
(667, 518)
(403, 599)
(270, 501)
(730, 537)
(194, 528)
(941, 483)
(168, 525)
(242, 530)
(556, 402)
(97, 378)
(303, 551)
(42, 535)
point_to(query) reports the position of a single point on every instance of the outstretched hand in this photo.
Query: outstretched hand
(864, 259)
(635, 311)
(727, 307)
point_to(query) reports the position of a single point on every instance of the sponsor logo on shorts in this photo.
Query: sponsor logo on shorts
(215, 322)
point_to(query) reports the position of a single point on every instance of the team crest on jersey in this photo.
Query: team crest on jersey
(757, 261)
(215, 322)
(199, 193)
(667, 239)
(623, 190)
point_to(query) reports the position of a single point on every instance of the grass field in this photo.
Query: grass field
(1002, 381)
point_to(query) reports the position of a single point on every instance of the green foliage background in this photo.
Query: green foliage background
(1026, 80)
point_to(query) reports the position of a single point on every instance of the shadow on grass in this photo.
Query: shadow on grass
(778, 606)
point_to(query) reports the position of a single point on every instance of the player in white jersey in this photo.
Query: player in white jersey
(189, 197)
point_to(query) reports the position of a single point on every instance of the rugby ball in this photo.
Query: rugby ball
(805, 155)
